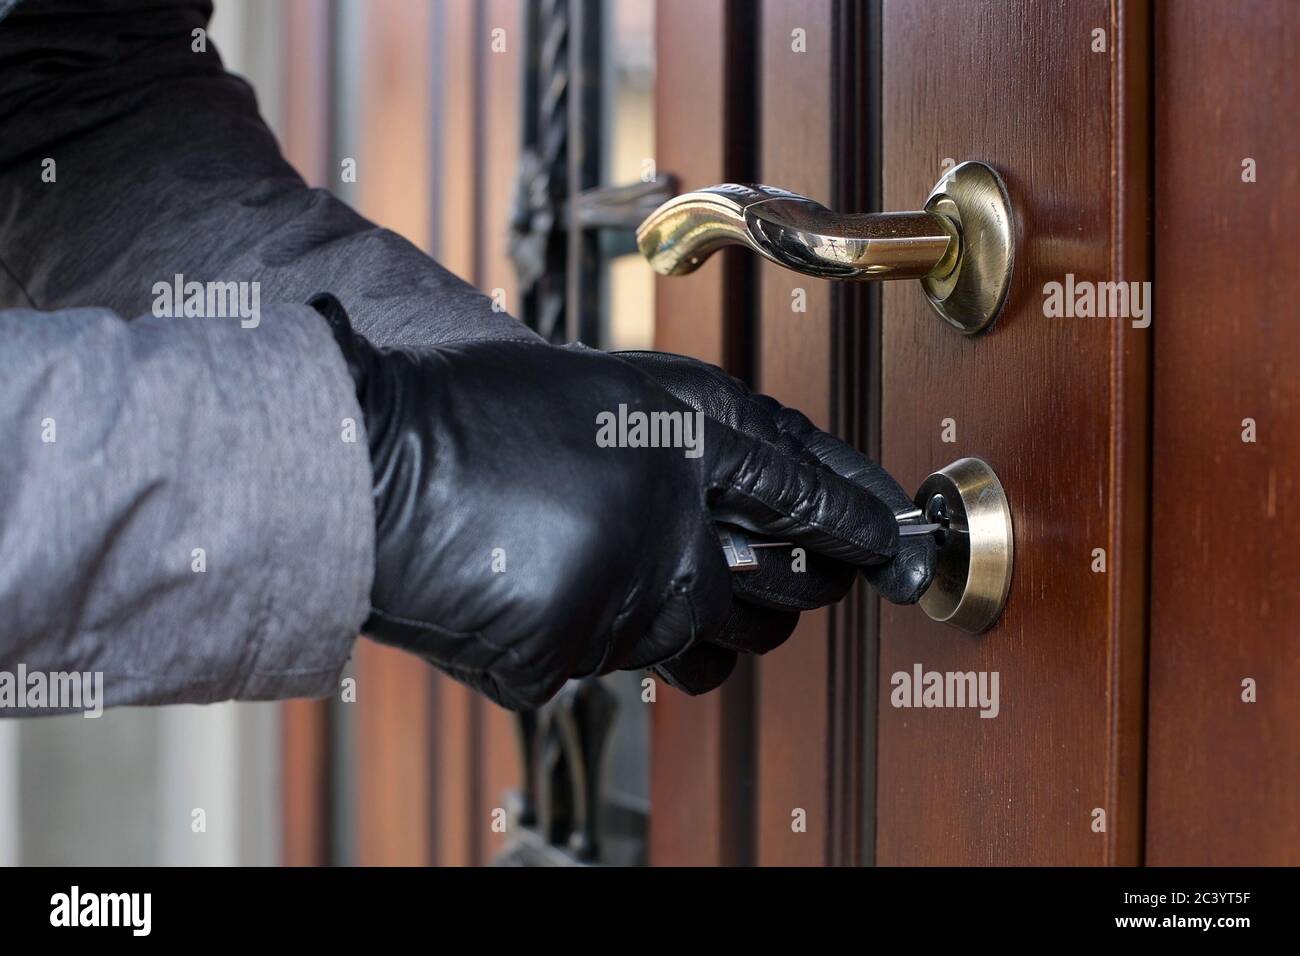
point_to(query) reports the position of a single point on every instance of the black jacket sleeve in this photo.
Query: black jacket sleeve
(161, 166)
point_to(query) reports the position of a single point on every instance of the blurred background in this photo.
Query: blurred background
(484, 133)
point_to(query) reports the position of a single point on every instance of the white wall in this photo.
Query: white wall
(10, 832)
(218, 789)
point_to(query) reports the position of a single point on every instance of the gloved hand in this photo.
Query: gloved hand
(775, 587)
(515, 549)
(725, 399)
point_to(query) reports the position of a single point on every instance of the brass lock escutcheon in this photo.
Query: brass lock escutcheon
(960, 245)
(972, 575)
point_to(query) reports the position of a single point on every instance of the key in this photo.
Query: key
(741, 552)
(910, 530)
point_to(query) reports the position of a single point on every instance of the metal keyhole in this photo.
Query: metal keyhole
(936, 512)
(973, 571)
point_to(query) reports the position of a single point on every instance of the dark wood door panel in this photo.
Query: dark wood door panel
(794, 366)
(1225, 772)
(701, 748)
(1056, 405)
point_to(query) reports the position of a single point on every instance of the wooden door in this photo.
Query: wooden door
(863, 107)
(775, 767)
(1055, 97)
(1225, 649)
(1154, 573)
(815, 340)
(701, 778)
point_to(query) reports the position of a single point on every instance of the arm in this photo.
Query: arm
(164, 166)
(128, 446)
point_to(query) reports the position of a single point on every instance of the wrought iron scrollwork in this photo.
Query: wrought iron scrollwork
(563, 224)
(562, 220)
(555, 815)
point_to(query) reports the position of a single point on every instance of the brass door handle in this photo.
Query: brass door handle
(960, 245)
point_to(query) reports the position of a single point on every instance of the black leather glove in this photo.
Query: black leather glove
(775, 587)
(514, 550)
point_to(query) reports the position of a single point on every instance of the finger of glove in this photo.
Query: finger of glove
(708, 389)
(755, 630)
(692, 611)
(704, 387)
(699, 670)
(904, 579)
(842, 458)
(756, 486)
(786, 581)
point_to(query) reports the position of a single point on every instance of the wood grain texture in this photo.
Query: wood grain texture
(795, 367)
(691, 145)
(855, 418)
(307, 95)
(1225, 774)
(1131, 201)
(701, 786)
(1054, 404)
(304, 783)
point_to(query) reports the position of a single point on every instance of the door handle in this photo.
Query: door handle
(960, 244)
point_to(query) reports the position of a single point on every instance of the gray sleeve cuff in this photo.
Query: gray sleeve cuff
(319, 512)
(202, 526)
